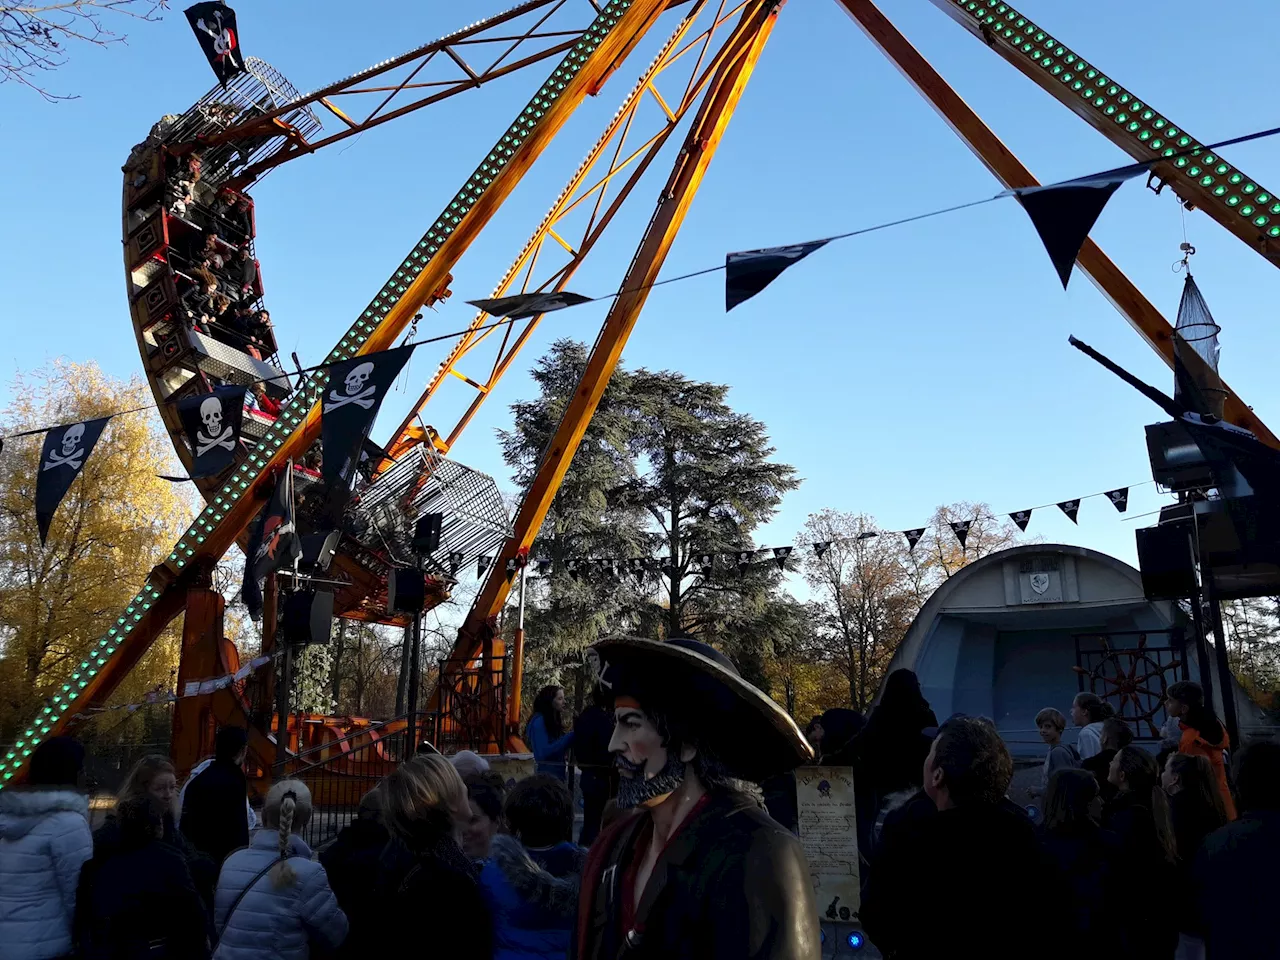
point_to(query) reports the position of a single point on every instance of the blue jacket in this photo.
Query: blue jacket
(532, 897)
(44, 841)
(549, 753)
(272, 924)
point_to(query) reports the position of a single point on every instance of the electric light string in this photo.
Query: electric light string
(1129, 169)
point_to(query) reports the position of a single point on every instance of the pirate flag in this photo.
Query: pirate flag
(1021, 518)
(211, 422)
(1070, 508)
(868, 534)
(1064, 213)
(820, 548)
(913, 537)
(744, 559)
(61, 459)
(1119, 499)
(482, 564)
(455, 561)
(780, 555)
(215, 27)
(529, 304)
(349, 405)
(706, 564)
(571, 567)
(544, 567)
(961, 529)
(747, 272)
(273, 544)
(512, 566)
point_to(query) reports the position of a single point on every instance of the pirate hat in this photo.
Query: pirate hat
(747, 730)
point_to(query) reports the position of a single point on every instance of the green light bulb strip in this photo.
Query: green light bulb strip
(1242, 200)
(308, 392)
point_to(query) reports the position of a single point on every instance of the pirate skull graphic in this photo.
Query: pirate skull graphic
(358, 389)
(214, 433)
(72, 454)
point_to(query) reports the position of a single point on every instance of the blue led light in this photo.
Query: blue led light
(855, 940)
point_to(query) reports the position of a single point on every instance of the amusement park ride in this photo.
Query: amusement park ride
(259, 122)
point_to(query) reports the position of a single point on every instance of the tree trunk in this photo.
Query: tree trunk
(337, 663)
(402, 684)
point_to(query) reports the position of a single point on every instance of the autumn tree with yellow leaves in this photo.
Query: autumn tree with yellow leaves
(117, 521)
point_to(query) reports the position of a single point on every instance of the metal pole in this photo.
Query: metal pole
(1224, 668)
(414, 682)
(517, 661)
(1197, 614)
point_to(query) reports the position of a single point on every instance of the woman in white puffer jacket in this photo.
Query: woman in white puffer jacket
(273, 901)
(44, 841)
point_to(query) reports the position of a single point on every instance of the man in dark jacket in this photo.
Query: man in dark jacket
(213, 808)
(591, 734)
(352, 862)
(1235, 870)
(695, 868)
(932, 885)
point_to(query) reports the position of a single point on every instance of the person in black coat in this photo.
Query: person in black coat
(423, 873)
(213, 808)
(136, 897)
(352, 863)
(970, 875)
(1235, 868)
(591, 733)
(694, 869)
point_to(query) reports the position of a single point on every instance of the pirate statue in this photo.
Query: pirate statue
(694, 868)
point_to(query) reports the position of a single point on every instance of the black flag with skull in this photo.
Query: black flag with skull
(215, 27)
(212, 424)
(61, 460)
(349, 406)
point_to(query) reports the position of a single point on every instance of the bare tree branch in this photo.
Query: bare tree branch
(34, 37)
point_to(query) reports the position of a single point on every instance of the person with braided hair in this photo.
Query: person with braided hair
(273, 901)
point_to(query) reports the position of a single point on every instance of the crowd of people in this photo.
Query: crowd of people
(686, 849)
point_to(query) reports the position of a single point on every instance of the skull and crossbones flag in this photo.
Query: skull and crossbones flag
(215, 27)
(747, 272)
(1119, 498)
(961, 529)
(273, 544)
(349, 406)
(61, 459)
(1070, 508)
(212, 424)
(1021, 518)
(913, 537)
(524, 305)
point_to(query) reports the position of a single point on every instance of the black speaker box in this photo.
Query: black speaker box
(318, 549)
(426, 533)
(1164, 557)
(307, 617)
(406, 591)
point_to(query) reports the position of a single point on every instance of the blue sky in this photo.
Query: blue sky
(920, 365)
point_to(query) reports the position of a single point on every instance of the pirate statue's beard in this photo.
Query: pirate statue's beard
(635, 789)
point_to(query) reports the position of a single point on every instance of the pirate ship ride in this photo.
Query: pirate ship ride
(259, 122)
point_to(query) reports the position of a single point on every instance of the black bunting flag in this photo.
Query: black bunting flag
(747, 272)
(212, 424)
(512, 566)
(215, 27)
(1021, 518)
(62, 458)
(820, 548)
(913, 537)
(961, 529)
(544, 567)
(571, 567)
(744, 559)
(868, 534)
(706, 564)
(273, 544)
(482, 564)
(780, 555)
(529, 304)
(1070, 508)
(1119, 499)
(1064, 213)
(455, 562)
(350, 403)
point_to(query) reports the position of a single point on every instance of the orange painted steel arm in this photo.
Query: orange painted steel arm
(699, 147)
(1009, 170)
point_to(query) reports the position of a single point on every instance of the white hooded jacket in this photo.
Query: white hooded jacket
(44, 841)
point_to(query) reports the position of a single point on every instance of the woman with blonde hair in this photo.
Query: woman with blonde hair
(274, 901)
(425, 873)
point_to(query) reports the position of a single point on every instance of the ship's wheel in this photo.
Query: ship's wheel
(1131, 679)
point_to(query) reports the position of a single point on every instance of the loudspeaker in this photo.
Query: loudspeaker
(1164, 556)
(426, 533)
(307, 617)
(406, 591)
(318, 549)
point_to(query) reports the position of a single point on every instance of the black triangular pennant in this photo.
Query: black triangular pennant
(820, 548)
(1021, 518)
(961, 529)
(455, 562)
(544, 567)
(1064, 213)
(706, 564)
(62, 458)
(529, 304)
(571, 568)
(1070, 508)
(273, 544)
(744, 559)
(212, 424)
(780, 555)
(350, 403)
(747, 272)
(512, 566)
(482, 564)
(215, 27)
(1119, 498)
(913, 537)
(868, 534)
